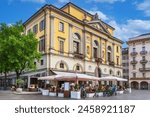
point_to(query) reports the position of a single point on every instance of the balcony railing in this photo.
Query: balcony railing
(143, 61)
(143, 52)
(79, 55)
(133, 62)
(111, 63)
(133, 53)
(144, 69)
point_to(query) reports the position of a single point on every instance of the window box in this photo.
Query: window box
(60, 94)
(52, 93)
(45, 92)
(75, 95)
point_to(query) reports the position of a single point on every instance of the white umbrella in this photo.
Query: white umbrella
(112, 78)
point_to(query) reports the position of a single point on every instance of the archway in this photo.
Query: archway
(144, 85)
(134, 85)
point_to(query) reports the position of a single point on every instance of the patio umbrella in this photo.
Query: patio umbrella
(112, 78)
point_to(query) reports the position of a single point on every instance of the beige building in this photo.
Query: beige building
(139, 64)
(73, 40)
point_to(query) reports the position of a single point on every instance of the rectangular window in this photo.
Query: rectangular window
(42, 62)
(117, 49)
(35, 28)
(143, 57)
(95, 52)
(134, 67)
(42, 44)
(143, 48)
(134, 75)
(143, 65)
(61, 26)
(143, 75)
(61, 46)
(76, 47)
(117, 60)
(133, 49)
(42, 25)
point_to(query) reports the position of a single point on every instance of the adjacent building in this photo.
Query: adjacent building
(125, 63)
(139, 64)
(73, 40)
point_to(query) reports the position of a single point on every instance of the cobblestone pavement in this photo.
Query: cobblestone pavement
(135, 95)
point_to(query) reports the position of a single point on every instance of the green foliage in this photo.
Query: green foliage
(19, 82)
(17, 50)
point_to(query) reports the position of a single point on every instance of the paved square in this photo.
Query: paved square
(135, 95)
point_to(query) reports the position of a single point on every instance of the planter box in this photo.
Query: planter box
(60, 94)
(90, 94)
(100, 94)
(19, 90)
(75, 95)
(120, 92)
(45, 92)
(52, 93)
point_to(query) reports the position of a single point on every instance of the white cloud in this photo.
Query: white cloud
(131, 28)
(35, 1)
(107, 1)
(63, 1)
(101, 15)
(144, 6)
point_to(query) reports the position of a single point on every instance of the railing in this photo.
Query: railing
(133, 62)
(79, 55)
(133, 53)
(111, 63)
(143, 61)
(144, 69)
(143, 52)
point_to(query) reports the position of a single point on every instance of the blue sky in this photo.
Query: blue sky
(129, 17)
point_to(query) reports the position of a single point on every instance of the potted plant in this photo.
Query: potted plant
(19, 83)
(76, 92)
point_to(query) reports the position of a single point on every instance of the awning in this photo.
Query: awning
(112, 78)
(66, 76)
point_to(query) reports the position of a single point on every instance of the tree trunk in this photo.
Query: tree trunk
(17, 77)
(5, 86)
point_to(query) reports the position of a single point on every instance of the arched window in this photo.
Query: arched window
(110, 72)
(76, 43)
(62, 65)
(95, 49)
(109, 53)
(118, 73)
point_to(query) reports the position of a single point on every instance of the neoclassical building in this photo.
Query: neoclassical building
(139, 64)
(73, 40)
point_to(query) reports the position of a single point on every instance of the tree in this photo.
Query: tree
(21, 49)
(5, 65)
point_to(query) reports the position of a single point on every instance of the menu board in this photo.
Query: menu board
(66, 86)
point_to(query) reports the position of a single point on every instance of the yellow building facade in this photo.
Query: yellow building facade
(73, 40)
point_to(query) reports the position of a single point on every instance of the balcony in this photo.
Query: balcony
(143, 52)
(111, 63)
(98, 60)
(133, 62)
(133, 53)
(144, 69)
(79, 55)
(144, 61)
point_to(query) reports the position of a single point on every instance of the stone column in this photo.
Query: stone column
(106, 52)
(52, 33)
(148, 86)
(100, 48)
(47, 37)
(70, 46)
(29, 81)
(139, 85)
(113, 52)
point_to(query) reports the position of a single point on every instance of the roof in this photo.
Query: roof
(143, 36)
